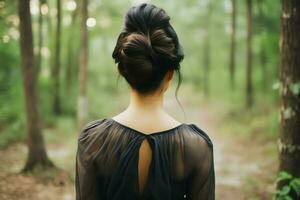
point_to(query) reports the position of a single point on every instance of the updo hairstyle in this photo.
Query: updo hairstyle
(147, 48)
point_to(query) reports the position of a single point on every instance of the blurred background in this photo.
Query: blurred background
(230, 88)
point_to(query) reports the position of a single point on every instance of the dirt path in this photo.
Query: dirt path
(16, 186)
(240, 165)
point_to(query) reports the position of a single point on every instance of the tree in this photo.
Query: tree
(232, 44)
(56, 67)
(206, 50)
(82, 72)
(289, 139)
(37, 155)
(40, 35)
(70, 64)
(263, 66)
(262, 48)
(249, 87)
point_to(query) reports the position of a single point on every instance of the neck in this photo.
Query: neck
(150, 103)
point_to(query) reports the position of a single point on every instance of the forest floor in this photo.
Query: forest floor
(245, 168)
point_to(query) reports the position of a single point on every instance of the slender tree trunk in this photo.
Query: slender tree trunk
(69, 64)
(83, 64)
(263, 63)
(49, 22)
(249, 87)
(37, 155)
(289, 140)
(232, 45)
(206, 67)
(206, 51)
(40, 36)
(50, 34)
(70, 53)
(262, 53)
(56, 67)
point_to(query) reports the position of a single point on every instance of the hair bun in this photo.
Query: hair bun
(136, 55)
(162, 44)
(147, 47)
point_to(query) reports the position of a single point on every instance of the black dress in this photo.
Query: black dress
(181, 167)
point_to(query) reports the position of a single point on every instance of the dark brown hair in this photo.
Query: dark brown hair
(147, 48)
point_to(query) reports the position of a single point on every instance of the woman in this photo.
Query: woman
(143, 152)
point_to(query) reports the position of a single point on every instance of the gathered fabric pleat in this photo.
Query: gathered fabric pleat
(181, 167)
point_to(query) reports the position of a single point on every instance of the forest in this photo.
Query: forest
(241, 84)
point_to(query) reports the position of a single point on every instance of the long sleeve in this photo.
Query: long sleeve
(86, 184)
(201, 185)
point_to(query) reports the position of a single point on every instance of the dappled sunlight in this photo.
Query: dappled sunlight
(58, 73)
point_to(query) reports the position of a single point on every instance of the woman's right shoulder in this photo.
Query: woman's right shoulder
(93, 126)
(91, 135)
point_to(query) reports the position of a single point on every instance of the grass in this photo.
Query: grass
(260, 121)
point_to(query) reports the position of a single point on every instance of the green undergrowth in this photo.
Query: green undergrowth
(261, 122)
(11, 133)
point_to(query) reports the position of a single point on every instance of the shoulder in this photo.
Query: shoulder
(198, 133)
(92, 127)
(91, 136)
(198, 147)
(197, 141)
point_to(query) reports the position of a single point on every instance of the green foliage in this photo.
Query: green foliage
(291, 185)
(107, 96)
(10, 83)
(12, 123)
(14, 132)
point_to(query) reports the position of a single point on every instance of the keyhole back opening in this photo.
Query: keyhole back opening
(144, 162)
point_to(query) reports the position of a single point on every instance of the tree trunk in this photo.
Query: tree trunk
(70, 53)
(37, 155)
(263, 63)
(232, 45)
(69, 63)
(56, 67)
(206, 51)
(249, 88)
(82, 72)
(40, 37)
(206, 66)
(262, 50)
(289, 141)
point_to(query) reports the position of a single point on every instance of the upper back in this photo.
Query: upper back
(149, 165)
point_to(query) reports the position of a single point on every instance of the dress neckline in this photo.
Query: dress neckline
(146, 134)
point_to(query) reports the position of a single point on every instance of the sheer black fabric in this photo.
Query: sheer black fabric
(107, 162)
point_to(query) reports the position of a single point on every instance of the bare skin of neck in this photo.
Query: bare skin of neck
(145, 113)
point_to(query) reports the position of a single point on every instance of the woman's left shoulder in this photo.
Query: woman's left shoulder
(199, 133)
